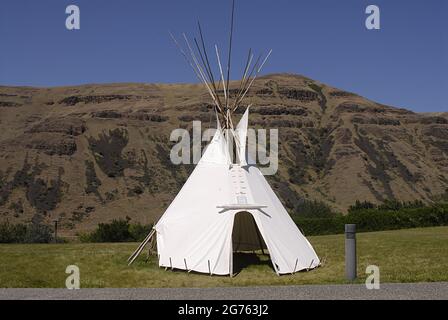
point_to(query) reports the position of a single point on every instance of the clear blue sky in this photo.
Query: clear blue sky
(404, 64)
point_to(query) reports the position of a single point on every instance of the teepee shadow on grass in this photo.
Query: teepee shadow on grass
(242, 260)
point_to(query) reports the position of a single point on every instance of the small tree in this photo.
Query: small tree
(116, 231)
(38, 233)
(25, 233)
(361, 206)
(313, 209)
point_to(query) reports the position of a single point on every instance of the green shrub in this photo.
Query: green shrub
(25, 233)
(139, 232)
(394, 205)
(84, 237)
(312, 209)
(361, 206)
(38, 233)
(117, 231)
(397, 205)
(321, 226)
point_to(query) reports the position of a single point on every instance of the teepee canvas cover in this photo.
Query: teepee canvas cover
(195, 232)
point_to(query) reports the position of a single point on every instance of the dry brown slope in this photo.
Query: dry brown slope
(90, 153)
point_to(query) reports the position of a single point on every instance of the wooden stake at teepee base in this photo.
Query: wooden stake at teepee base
(295, 266)
(221, 186)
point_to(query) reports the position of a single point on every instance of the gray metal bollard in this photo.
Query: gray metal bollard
(350, 251)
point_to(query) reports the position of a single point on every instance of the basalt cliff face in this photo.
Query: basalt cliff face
(91, 153)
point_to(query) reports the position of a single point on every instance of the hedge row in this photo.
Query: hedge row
(377, 220)
(365, 219)
(25, 233)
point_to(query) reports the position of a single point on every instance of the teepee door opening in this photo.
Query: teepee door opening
(247, 242)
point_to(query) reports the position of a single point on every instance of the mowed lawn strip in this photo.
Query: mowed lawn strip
(412, 255)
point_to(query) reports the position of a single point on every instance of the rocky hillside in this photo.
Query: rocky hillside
(90, 153)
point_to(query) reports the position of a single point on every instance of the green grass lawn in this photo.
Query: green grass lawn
(411, 255)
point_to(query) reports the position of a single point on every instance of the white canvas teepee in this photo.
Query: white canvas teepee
(227, 205)
(199, 231)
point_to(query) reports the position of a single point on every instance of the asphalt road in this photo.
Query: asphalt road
(427, 291)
